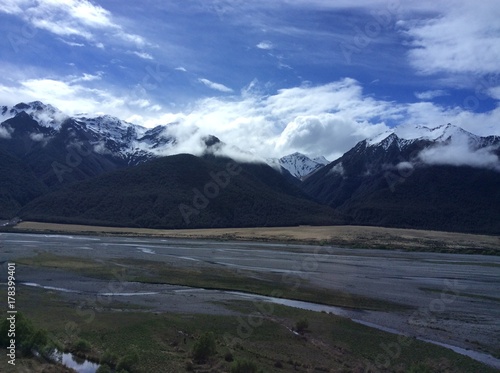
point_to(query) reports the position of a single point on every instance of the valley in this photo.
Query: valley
(341, 235)
(100, 287)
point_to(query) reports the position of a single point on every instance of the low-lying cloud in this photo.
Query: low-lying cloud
(460, 154)
(315, 120)
(5, 133)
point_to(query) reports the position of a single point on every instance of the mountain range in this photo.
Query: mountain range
(102, 170)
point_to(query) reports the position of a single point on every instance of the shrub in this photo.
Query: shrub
(28, 338)
(128, 361)
(104, 368)
(109, 358)
(228, 357)
(204, 348)
(243, 366)
(83, 346)
(302, 325)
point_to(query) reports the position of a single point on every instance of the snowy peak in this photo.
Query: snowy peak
(106, 135)
(45, 115)
(300, 165)
(111, 127)
(407, 134)
(321, 160)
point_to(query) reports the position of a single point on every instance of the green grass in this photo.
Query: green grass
(154, 272)
(163, 342)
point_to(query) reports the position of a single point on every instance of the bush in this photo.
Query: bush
(228, 357)
(302, 325)
(83, 346)
(104, 368)
(204, 348)
(244, 366)
(28, 338)
(109, 358)
(128, 361)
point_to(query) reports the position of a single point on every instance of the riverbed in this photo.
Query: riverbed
(452, 298)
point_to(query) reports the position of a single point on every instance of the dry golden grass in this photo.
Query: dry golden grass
(349, 236)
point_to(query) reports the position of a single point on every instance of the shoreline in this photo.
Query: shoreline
(366, 237)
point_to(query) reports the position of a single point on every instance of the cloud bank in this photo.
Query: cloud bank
(217, 86)
(316, 120)
(70, 18)
(459, 153)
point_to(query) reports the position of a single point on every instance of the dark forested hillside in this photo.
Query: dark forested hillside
(367, 186)
(183, 191)
(18, 185)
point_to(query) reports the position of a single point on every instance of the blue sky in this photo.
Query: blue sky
(271, 77)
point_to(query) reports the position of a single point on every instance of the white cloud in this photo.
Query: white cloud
(71, 44)
(267, 45)
(322, 120)
(67, 95)
(461, 37)
(429, 95)
(87, 78)
(216, 86)
(79, 18)
(328, 134)
(143, 55)
(337, 169)
(5, 133)
(459, 153)
(37, 137)
(495, 92)
(180, 68)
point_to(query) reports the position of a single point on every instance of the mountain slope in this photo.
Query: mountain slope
(179, 192)
(416, 182)
(299, 165)
(18, 185)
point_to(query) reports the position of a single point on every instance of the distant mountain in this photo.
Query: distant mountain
(183, 191)
(440, 178)
(299, 165)
(61, 150)
(18, 185)
(102, 170)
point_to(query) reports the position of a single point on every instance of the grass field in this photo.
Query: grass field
(153, 272)
(262, 333)
(163, 342)
(347, 236)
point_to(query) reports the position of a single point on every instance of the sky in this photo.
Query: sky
(270, 77)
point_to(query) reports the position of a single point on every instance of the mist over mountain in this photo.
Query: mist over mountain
(183, 191)
(441, 178)
(102, 170)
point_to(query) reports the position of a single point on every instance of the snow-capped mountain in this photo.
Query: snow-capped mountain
(299, 165)
(63, 149)
(432, 178)
(104, 134)
(45, 115)
(405, 135)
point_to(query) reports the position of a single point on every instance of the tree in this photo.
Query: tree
(302, 326)
(204, 348)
